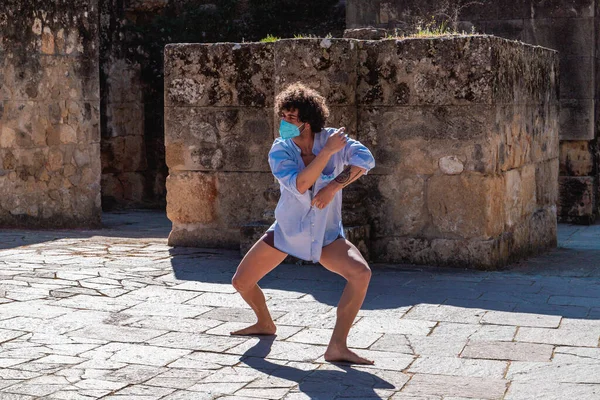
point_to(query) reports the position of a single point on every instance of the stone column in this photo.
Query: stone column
(49, 111)
(132, 125)
(124, 161)
(218, 132)
(568, 27)
(596, 156)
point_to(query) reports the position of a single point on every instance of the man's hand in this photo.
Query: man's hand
(324, 197)
(336, 141)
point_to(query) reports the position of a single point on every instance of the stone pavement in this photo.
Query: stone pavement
(117, 314)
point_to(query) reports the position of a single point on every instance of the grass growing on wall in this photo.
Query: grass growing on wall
(436, 19)
(307, 36)
(432, 29)
(269, 39)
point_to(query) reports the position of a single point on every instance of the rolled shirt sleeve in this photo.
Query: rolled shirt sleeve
(284, 168)
(357, 154)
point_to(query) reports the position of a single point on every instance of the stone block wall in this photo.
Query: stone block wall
(569, 26)
(464, 131)
(49, 114)
(218, 132)
(220, 123)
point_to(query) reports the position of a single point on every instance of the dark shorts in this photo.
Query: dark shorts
(269, 238)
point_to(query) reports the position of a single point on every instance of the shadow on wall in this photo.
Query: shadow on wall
(317, 383)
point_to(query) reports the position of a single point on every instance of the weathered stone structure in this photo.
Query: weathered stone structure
(464, 131)
(49, 114)
(569, 26)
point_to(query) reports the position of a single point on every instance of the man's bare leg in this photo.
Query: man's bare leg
(343, 258)
(259, 261)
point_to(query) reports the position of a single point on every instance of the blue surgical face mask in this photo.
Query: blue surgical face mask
(288, 130)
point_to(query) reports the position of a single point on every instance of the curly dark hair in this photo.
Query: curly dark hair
(310, 105)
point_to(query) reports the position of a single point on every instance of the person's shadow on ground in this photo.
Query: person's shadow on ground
(524, 289)
(317, 384)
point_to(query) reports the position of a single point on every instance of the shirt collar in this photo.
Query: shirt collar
(316, 143)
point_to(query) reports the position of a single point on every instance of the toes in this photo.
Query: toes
(245, 331)
(348, 357)
(255, 330)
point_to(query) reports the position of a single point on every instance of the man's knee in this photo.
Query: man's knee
(238, 283)
(241, 285)
(360, 273)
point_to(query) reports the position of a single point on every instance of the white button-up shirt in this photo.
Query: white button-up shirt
(300, 229)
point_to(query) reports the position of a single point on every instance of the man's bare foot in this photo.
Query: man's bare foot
(335, 354)
(257, 329)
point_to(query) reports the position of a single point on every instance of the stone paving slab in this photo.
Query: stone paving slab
(559, 336)
(459, 386)
(454, 366)
(513, 351)
(117, 314)
(551, 391)
(521, 319)
(562, 372)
